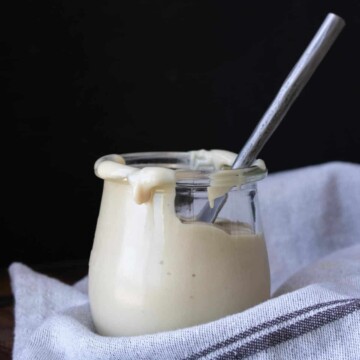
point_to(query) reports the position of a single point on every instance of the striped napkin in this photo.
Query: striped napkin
(312, 228)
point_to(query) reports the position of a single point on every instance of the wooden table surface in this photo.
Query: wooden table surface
(66, 271)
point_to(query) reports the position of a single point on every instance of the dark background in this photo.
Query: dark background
(82, 79)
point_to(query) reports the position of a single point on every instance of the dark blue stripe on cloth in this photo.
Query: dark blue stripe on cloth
(268, 324)
(290, 332)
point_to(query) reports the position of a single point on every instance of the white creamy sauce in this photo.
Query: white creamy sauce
(150, 272)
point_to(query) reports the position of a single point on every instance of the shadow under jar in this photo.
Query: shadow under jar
(154, 266)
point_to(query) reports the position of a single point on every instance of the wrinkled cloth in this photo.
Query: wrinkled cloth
(311, 224)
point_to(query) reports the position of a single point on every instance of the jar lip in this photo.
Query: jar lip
(186, 174)
(182, 159)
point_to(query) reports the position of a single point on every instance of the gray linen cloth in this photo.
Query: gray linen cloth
(311, 223)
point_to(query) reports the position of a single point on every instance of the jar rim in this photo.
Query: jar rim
(185, 172)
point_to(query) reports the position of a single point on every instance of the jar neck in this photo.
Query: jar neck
(149, 172)
(200, 168)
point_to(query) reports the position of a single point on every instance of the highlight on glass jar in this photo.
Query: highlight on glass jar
(156, 265)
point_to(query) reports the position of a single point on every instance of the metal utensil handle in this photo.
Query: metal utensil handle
(289, 91)
(291, 88)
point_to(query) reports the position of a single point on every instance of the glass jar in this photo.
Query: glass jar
(155, 265)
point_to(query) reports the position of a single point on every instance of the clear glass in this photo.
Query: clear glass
(156, 267)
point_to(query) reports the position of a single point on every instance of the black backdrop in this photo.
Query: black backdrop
(82, 79)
